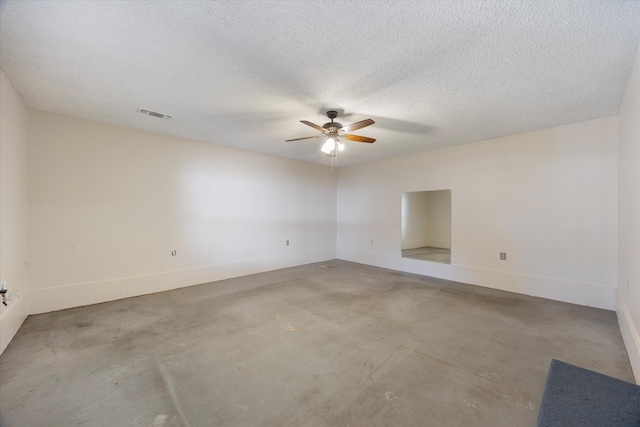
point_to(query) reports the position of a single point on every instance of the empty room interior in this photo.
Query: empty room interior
(310, 213)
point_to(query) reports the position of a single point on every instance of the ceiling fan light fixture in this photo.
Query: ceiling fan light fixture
(328, 146)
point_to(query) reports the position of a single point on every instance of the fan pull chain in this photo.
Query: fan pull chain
(334, 158)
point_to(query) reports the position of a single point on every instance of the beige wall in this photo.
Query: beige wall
(13, 207)
(628, 304)
(108, 205)
(547, 198)
(415, 233)
(439, 219)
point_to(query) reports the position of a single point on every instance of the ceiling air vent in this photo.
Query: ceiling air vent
(155, 114)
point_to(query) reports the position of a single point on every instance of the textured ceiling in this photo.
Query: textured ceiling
(243, 73)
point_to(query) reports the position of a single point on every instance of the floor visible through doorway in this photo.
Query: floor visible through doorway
(429, 253)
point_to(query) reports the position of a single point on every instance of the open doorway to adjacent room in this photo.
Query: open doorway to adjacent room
(426, 225)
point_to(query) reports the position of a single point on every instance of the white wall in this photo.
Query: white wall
(439, 219)
(547, 198)
(13, 207)
(415, 233)
(628, 303)
(108, 205)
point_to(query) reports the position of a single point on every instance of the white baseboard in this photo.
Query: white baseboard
(413, 244)
(76, 295)
(12, 317)
(630, 335)
(581, 293)
(443, 244)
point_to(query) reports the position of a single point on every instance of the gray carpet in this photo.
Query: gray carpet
(574, 396)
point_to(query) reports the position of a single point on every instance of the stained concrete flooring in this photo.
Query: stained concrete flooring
(327, 344)
(429, 253)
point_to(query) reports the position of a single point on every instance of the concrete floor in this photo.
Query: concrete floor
(428, 253)
(327, 344)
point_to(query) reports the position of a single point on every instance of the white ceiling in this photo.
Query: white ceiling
(243, 73)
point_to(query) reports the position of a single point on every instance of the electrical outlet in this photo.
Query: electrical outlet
(287, 243)
(503, 256)
(173, 253)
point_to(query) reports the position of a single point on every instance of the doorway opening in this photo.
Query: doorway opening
(426, 225)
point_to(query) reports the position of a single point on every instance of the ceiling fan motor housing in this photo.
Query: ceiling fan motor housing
(332, 127)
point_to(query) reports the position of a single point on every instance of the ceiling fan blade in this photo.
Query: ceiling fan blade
(306, 137)
(358, 125)
(358, 138)
(313, 125)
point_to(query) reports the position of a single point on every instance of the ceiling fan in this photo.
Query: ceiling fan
(334, 131)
